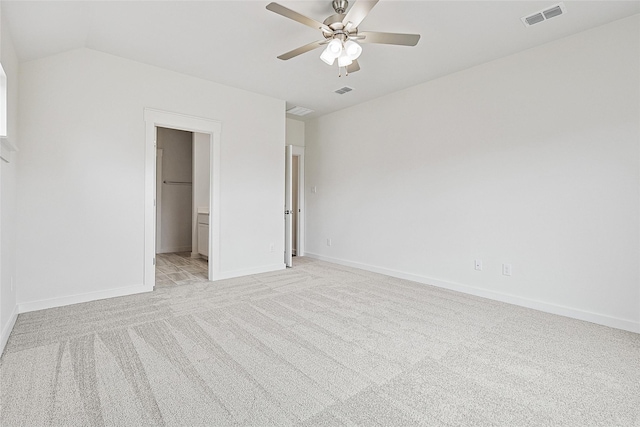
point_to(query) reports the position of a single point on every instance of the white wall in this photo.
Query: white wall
(176, 200)
(532, 160)
(82, 165)
(295, 132)
(8, 172)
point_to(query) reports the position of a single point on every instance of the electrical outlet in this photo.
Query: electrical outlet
(479, 265)
(328, 242)
(314, 189)
(506, 269)
(272, 247)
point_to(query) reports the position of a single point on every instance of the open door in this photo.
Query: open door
(288, 205)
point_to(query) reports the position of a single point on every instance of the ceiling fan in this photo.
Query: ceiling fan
(341, 35)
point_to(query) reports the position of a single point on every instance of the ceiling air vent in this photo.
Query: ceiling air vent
(299, 111)
(543, 15)
(554, 11)
(534, 19)
(343, 90)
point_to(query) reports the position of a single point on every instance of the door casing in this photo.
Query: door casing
(156, 118)
(300, 235)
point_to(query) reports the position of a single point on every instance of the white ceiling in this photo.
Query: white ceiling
(236, 42)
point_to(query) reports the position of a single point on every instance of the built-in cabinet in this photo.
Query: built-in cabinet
(203, 234)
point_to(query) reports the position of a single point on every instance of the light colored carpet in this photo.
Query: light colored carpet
(316, 345)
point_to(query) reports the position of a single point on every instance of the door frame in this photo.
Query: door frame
(288, 205)
(154, 119)
(300, 225)
(159, 154)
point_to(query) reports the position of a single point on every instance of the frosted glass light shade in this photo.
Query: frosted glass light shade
(327, 57)
(335, 47)
(352, 49)
(344, 60)
(332, 51)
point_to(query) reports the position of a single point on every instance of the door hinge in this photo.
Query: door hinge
(154, 261)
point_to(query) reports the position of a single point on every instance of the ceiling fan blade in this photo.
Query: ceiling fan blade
(291, 14)
(358, 12)
(389, 38)
(353, 67)
(302, 49)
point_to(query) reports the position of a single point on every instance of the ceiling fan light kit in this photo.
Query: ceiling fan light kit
(346, 53)
(332, 51)
(344, 60)
(340, 32)
(353, 49)
(328, 57)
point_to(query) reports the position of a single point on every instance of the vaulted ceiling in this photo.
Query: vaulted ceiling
(236, 42)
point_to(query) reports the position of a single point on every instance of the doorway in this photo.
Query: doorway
(211, 130)
(294, 203)
(174, 190)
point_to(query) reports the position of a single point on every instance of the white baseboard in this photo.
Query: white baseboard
(6, 331)
(601, 319)
(26, 307)
(250, 271)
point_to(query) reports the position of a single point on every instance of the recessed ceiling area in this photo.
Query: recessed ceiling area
(236, 43)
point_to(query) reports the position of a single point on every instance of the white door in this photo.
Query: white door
(288, 206)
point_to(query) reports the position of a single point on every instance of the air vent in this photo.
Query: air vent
(299, 111)
(343, 90)
(554, 11)
(534, 19)
(543, 15)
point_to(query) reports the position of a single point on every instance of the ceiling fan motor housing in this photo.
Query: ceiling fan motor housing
(334, 22)
(340, 5)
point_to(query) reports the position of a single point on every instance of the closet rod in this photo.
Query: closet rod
(177, 182)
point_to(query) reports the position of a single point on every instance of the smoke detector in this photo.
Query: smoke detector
(544, 15)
